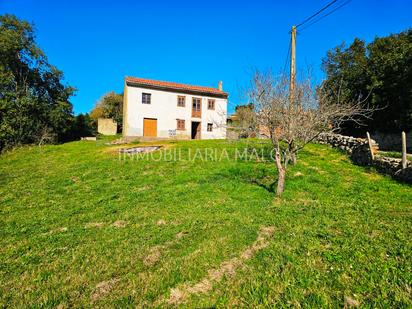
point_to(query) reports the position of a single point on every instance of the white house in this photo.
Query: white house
(170, 110)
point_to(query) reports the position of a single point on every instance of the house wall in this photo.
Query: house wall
(125, 108)
(164, 108)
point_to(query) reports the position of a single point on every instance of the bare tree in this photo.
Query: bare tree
(292, 120)
(46, 136)
(243, 122)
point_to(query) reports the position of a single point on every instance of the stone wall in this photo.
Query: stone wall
(346, 143)
(393, 167)
(358, 150)
(106, 126)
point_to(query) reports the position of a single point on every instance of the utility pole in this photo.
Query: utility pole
(292, 82)
(292, 64)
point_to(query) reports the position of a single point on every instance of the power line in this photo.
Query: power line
(287, 57)
(325, 15)
(317, 13)
(310, 19)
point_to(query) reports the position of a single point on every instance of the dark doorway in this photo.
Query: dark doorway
(196, 130)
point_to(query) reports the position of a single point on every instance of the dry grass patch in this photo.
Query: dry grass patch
(350, 302)
(161, 222)
(372, 176)
(181, 234)
(75, 179)
(119, 223)
(153, 256)
(142, 188)
(305, 201)
(94, 225)
(57, 230)
(155, 253)
(317, 169)
(104, 288)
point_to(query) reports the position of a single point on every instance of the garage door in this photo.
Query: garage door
(150, 127)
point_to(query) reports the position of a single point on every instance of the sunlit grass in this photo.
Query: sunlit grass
(79, 227)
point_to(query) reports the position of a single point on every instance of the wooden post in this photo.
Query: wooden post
(370, 146)
(404, 161)
(292, 65)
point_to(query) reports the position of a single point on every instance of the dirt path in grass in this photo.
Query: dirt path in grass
(156, 252)
(180, 294)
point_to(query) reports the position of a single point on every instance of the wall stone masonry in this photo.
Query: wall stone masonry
(393, 167)
(346, 143)
(358, 150)
(106, 126)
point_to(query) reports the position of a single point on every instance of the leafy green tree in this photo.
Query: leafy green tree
(380, 74)
(83, 126)
(110, 105)
(244, 121)
(34, 103)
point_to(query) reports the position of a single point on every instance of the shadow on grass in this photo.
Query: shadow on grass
(261, 176)
(270, 187)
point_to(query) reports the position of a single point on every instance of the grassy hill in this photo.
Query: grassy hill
(80, 227)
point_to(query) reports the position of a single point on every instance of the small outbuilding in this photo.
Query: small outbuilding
(106, 126)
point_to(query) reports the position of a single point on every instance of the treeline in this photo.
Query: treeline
(110, 105)
(35, 105)
(379, 74)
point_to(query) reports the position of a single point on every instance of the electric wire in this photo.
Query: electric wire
(287, 56)
(317, 13)
(325, 15)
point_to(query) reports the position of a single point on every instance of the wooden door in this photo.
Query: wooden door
(150, 127)
(198, 130)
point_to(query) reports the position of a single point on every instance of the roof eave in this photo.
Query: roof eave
(224, 95)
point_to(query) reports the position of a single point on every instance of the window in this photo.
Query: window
(180, 124)
(146, 98)
(210, 104)
(181, 101)
(196, 104)
(209, 127)
(196, 107)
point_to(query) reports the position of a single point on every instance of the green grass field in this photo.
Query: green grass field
(81, 228)
(394, 154)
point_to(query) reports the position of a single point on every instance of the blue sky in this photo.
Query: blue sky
(97, 43)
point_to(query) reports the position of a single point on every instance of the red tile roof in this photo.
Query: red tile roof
(149, 83)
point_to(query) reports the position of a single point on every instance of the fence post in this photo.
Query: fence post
(370, 145)
(404, 150)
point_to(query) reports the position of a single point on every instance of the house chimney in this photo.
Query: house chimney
(220, 86)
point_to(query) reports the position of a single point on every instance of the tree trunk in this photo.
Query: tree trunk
(281, 182)
(293, 158)
(292, 152)
(281, 175)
